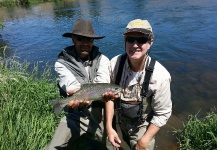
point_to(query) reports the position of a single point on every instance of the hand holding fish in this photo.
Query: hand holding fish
(86, 94)
(77, 103)
(107, 96)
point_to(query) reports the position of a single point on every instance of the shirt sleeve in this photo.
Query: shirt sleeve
(66, 79)
(161, 100)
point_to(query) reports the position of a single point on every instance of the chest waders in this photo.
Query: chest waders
(143, 114)
(72, 62)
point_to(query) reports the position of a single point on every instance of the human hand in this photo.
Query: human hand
(107, 96)
(113, 138)
(77, 103)
(142, 144)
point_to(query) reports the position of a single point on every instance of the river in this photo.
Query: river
(185, 43)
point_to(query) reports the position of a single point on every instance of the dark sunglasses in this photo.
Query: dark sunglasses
(140, 40)
(84, 39)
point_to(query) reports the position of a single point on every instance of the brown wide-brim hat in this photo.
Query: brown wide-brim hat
(84, 28)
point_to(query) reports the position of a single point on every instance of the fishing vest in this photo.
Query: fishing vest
(72, 62)
(140, 111)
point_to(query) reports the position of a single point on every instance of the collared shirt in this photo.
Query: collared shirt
(68, 81)
(159, 88)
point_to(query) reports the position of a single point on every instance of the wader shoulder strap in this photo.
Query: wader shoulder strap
(144, 91)
(120, 68)
(149, 70)
(115, 122)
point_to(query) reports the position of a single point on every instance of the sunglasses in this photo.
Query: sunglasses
(140, 40)
(84, 39)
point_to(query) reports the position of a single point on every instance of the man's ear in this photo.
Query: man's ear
(151, 42)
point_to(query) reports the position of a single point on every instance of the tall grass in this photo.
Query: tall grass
(22, 2)
(199, 133)
(1, 25)
(27, 120)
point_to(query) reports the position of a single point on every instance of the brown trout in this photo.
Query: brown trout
(91, 92)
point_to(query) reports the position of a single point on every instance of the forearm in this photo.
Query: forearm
(150, 133)
(112, 134)
(109, 114)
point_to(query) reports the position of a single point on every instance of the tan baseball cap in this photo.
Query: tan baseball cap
(139, 25)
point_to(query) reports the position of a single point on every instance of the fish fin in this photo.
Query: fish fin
(57, 106)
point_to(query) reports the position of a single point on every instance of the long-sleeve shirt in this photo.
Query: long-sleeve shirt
(159, 88)
(68, 81)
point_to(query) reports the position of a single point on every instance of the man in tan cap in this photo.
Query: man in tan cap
(145, 105)
(78, 64)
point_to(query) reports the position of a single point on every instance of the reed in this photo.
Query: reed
(199, 133)
(21, 2)
(27, 120)
(1, 25)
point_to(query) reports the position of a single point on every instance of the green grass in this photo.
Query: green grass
(1, 25)
(199, 133)
(22, 2)
(27, 120)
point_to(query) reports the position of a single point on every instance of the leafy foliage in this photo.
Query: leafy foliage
(199, 133)
(27, 120)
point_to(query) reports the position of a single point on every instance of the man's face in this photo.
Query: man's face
(83, 45)
(137, 45)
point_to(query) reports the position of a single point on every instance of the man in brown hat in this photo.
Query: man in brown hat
(78, 64)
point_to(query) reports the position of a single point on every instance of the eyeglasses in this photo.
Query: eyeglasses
(84, 39)
(140, 40)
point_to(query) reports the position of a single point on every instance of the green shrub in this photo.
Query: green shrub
(1, 24)
(22, 2)
(199, 134)
(27, 119)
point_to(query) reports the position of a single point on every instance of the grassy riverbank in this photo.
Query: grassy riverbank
(199, 133)
(1, 26)
(21, 2)
(27, 120)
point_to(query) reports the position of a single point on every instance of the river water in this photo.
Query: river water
(185, 43)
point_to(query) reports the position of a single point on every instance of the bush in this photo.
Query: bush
(199, 133)
(27, 119)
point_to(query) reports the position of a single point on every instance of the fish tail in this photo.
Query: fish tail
(57, 106)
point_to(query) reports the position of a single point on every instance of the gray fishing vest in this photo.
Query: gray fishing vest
(69, 58)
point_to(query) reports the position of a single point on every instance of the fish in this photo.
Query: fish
(90, 91)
